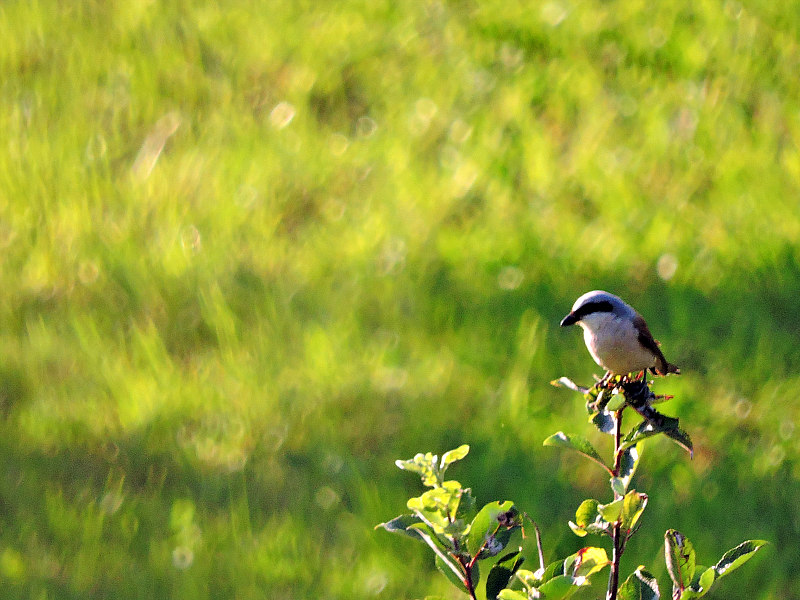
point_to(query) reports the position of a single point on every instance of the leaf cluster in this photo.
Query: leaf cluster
(690, 580)
(560, 579)
(462, 538)
(467, 541)
(605, 403)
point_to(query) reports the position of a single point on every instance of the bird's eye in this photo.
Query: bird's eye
(595, 306)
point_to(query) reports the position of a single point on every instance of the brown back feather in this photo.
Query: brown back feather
(646, 339)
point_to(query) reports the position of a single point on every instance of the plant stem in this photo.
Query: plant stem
(616, 555)
(466, 566)
(617, 444)
(616, 532)
(468, 581)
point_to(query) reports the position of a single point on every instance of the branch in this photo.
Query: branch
(616, 535)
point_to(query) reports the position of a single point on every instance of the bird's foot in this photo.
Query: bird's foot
(633, 378)
(604, 380)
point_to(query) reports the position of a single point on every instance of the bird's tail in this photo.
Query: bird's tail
(665, 368)
(673, 369)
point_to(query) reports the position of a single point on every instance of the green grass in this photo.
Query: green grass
(252, 255)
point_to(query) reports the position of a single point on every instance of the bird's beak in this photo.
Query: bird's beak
(570, 319)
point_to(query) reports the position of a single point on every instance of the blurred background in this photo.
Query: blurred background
(255, 252)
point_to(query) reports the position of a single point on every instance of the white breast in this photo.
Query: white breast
(614, 344)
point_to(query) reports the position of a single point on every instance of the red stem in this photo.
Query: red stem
(468, 580)
(616, 532)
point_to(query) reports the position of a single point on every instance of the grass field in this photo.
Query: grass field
(253, 254)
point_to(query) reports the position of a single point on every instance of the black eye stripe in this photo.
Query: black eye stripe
(593, 307)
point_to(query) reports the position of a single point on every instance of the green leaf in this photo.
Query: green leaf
(450, 497)
(655, 424)
(511, 595)
(616, 402)
(640, 585)
(446, 567)
(594, 393)
(554, 569)
(736, 557)
(416, 528)
(577, 443)
(586, 561)
(491, 529)
(587, 512)
(706, 579)
(612, 511)
(426, 533)
(448, 458)
(617, 486)
(401, 524)
(633, 506)
(425, 465)
(439, 507)
(628, 463)
(578, 530)
(497, 580)
(512, 558)
(466, 506)
(588, 519)
(428, 467)
(476, 575)
(444, 497)
(598, 397)
(561, 586)
(680, 558)
(680, 437)
(502, 572)
(528, 578)
(444, 562)
(604, 421)
(644, 430)
(431, 517)
(701, 583)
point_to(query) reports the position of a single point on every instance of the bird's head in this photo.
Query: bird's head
(595, 307)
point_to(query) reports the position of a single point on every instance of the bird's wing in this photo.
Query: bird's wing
(646, 339)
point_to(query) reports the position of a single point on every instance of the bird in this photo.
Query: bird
(617, 336)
